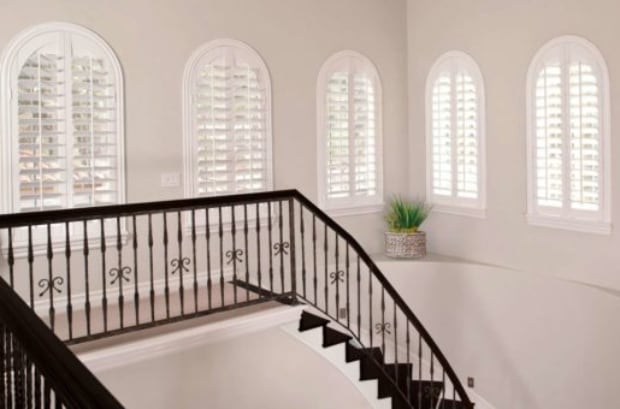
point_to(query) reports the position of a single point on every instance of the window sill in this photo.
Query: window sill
(475, 212)
(583, 226)
(355, 210)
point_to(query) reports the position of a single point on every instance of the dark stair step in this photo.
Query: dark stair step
(371, 364)
(387, 383)
(451, 404)
(355, 354)
(310, 321)
(332, 337)
(425, 394)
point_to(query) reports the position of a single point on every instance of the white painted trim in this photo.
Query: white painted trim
(455, 61)
(326, 69)
(356, 210)
(7, 68)
(599, 222)
(78, 300)
(154, 347)
(191, 66)
(478, 213)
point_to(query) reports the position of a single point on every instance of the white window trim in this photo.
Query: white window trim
(348, 206)
(189, 182)
(535, 215)
(453, 205)
(8, 59)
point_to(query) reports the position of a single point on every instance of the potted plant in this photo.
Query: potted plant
(403, 239)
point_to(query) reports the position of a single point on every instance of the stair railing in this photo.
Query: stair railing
(37, 369)
(102, 271)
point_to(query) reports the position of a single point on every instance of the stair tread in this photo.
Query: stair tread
(333, 337)
(310, 321)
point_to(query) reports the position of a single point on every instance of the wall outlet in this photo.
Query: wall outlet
(470, 382)
(172, 179)
(342, 313)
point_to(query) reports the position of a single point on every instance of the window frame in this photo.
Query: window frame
(189, 140)
(455, 61)
(9, 121)
(566, 218)
(348, 206)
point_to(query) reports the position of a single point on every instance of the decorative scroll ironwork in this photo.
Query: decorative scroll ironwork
(236, 255)
(383, 327)
(117, 274)
(281, 248)
(50, 285)
(336, 276)
(180, 265)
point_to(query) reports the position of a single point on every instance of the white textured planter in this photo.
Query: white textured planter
(405, 245)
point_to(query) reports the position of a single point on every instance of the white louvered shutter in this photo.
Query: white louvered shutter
(230, 126)
(584, 137)
(441, 123)
(466, 136)
(351, 107)
(67, 133)
(549, 136)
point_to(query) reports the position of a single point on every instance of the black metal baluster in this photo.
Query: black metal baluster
(29, 392)
(119, 251)
(233, 233)
(432, 379)
(136, 291)
(315, 280)
(395, 345)
(86, 252)
(291, 229)
(247, 262)
(258, 263)
(151, 272)
(4, 367)
(443, 382)
(11, 259)
(104, 300)
(383, 321)
(208, 241)
(281, 243)
(58, 402)
(9, 370)
(31, 266)
(370, 329)
(166, 282)
(195, 261)
(348, 294)
(68, 265)
(303, 249)
(180, 247)
(221, 234)
(420, 370)
(359, 298)
(37, 388)
(337, 274)
(19, 380)
(409, 374)
(269, 228)
(50, 275)
(325, 252)
(47, 394)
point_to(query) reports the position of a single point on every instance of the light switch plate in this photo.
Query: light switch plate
(172, 179)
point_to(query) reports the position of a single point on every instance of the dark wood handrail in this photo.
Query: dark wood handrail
(77, 387)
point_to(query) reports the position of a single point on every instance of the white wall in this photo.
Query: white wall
(268, 369)
(530, 341)
(503, 36)
(154, 39)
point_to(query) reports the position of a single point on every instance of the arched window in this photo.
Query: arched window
(455, 135)
(568, 137)
(349, 134)
(62, 120)
(227, 121)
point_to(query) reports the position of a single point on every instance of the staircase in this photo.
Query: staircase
(94, 273)
(372, 365)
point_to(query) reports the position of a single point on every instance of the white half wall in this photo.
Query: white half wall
(529, 341)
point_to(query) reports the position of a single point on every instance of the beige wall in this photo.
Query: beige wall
(503, 36)
(154, 39)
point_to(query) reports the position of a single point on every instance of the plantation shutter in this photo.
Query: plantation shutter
(584, 137)
(442, 135)
(230, 126)
(67, 132)
(549, 143)
(466, 136)
(351, 135)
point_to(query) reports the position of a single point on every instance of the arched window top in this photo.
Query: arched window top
(62, 120)
(569, 137)
(349, 125)
(455, 118)
(227, 120)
